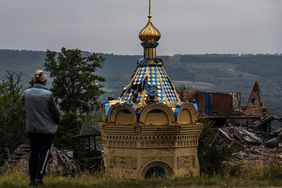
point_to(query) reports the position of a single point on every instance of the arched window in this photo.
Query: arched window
(156, 114)
(156, 169)
(186, 114)
(122, 115)
(156, 117)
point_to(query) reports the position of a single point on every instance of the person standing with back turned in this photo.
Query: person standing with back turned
(42, 118)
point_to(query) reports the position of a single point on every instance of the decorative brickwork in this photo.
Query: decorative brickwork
(129, 149)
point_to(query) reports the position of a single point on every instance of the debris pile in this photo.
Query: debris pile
(59, 162)
(253, 143)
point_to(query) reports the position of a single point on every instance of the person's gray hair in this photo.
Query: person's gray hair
(39, 76)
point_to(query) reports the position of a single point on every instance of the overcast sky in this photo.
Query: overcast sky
(112, 26)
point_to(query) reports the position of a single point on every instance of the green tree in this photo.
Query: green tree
(12, 118)
(70, 125)
(11, 84)
(75, 86)
(213, 150)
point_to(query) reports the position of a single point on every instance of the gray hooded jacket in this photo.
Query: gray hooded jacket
(42, 114)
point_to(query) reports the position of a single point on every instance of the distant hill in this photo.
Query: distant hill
(211, 72)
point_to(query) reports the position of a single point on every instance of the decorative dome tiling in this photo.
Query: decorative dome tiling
(148, 81)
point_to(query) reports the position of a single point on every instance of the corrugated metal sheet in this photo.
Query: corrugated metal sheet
(203, 101)
(218, 103)
(221, 104)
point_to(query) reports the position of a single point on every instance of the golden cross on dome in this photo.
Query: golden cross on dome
(149, 7)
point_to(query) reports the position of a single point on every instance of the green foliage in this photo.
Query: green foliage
(212, 151)
(12, 118)
(75, 84)
(11, 84)
(76, 88)
(69, 126)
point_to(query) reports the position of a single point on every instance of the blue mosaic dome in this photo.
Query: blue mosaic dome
(150, 83)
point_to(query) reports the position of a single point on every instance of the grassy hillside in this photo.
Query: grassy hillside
(216, 72)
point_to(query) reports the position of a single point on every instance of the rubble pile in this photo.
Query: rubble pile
(240, 136)
(254, 144)
(59, 162)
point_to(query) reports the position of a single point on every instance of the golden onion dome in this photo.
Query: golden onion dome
(149, 33)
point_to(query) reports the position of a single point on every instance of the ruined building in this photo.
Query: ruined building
(255, 104)
(148, 130)
(226, 108)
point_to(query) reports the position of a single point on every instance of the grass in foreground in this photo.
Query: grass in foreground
(18, 178)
